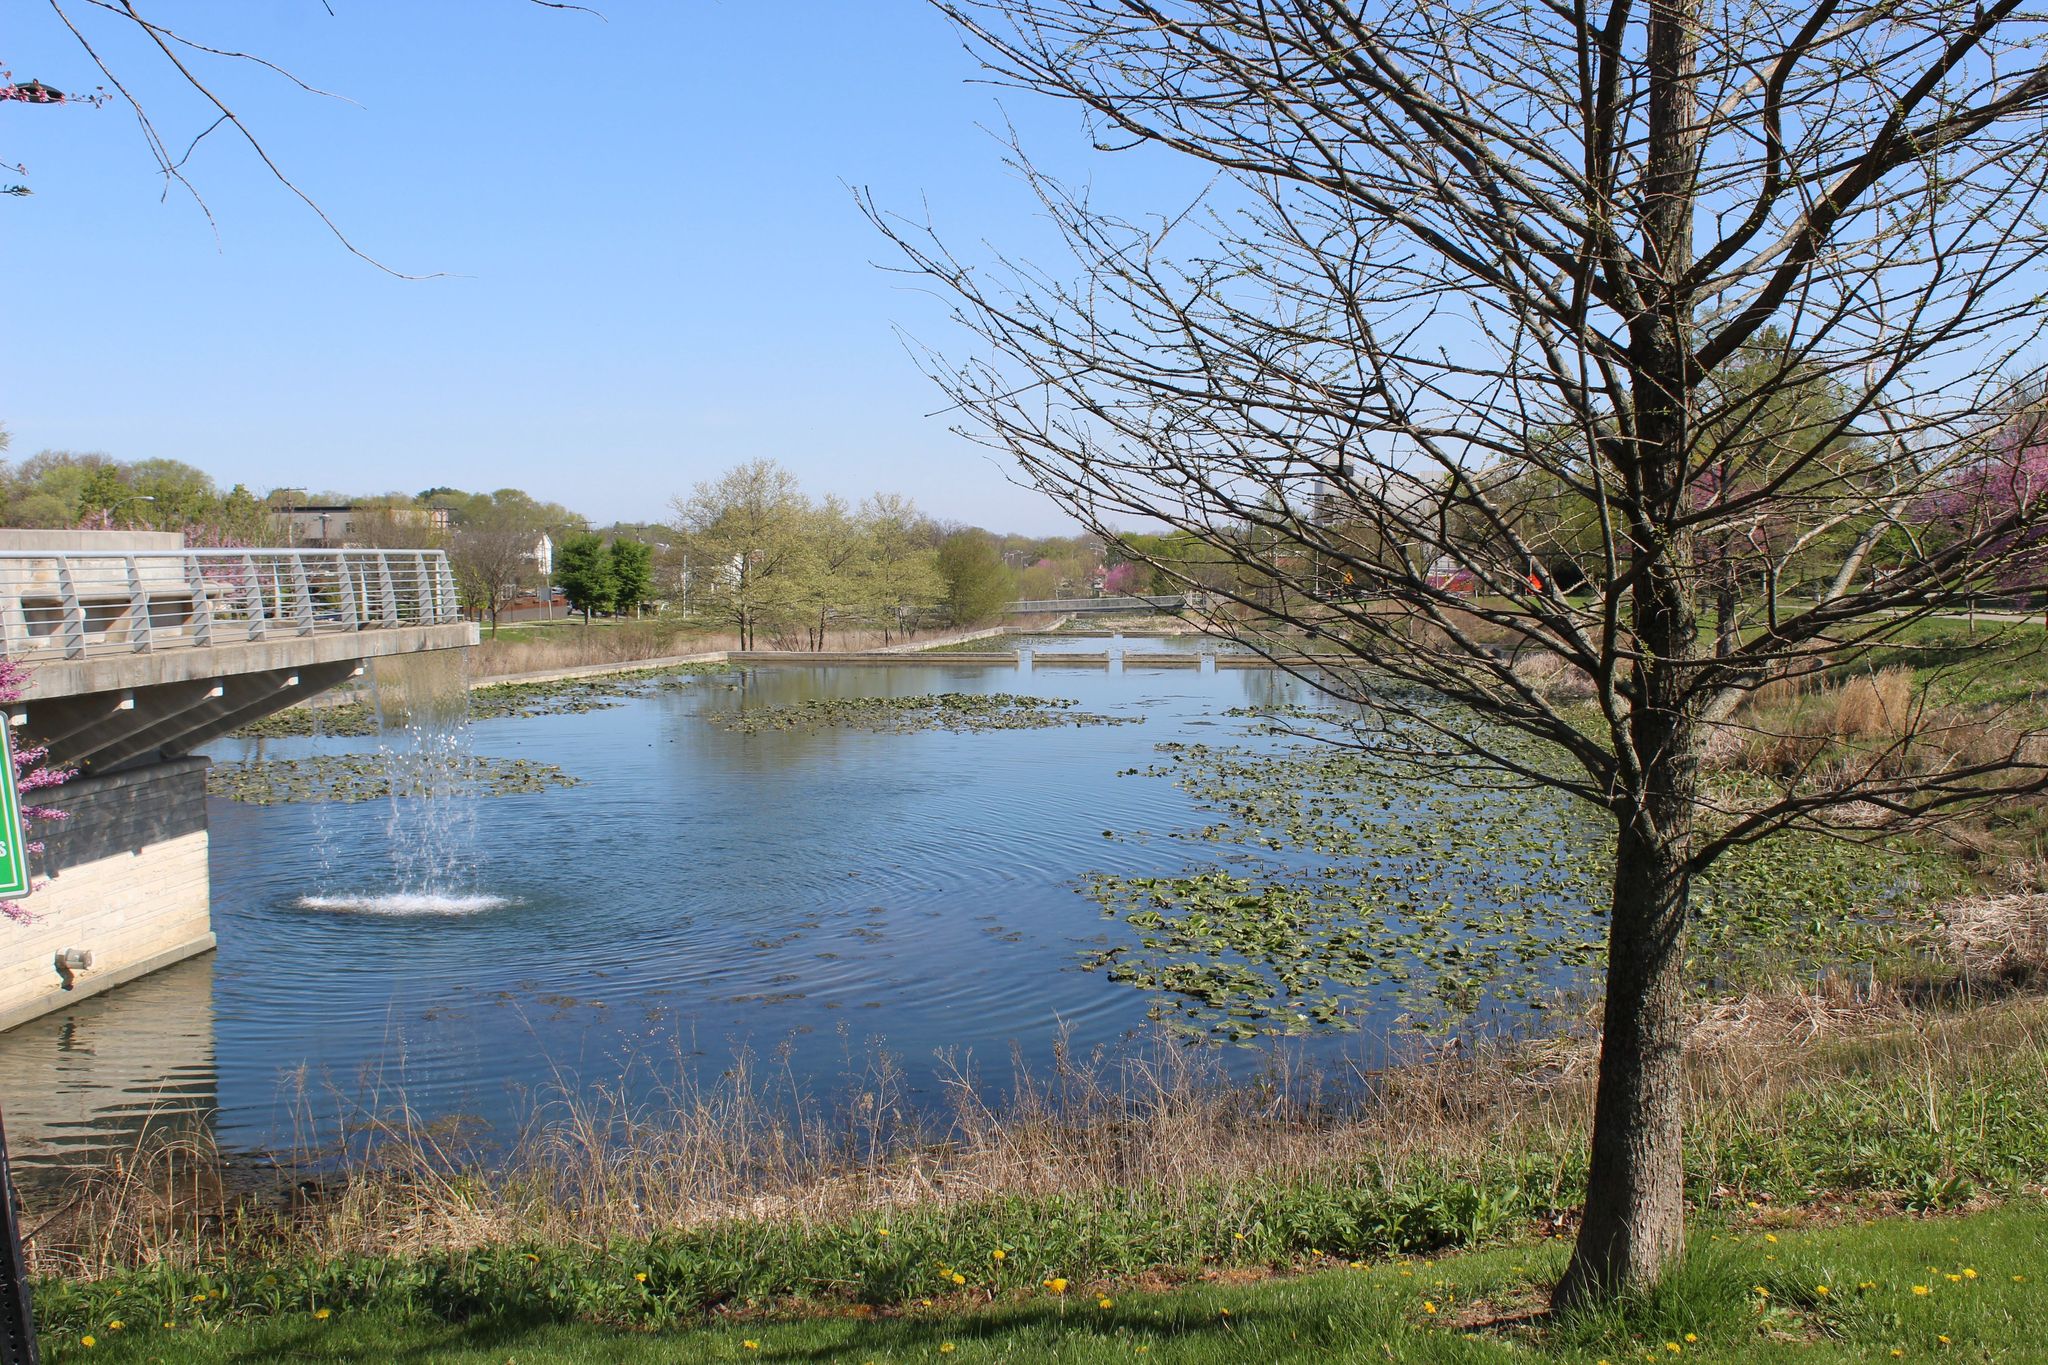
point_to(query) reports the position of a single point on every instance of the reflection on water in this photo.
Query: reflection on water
(89, 1079)
(815, 894)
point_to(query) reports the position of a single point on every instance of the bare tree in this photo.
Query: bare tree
(488, 558)
(1447, 247)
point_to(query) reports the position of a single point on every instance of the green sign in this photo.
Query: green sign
(13, 857)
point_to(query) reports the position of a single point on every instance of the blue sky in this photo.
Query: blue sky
(655, 265)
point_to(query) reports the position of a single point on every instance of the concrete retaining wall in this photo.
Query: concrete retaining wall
(124, 879)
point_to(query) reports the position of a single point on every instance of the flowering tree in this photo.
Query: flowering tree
(1996, 499)
(29, 775)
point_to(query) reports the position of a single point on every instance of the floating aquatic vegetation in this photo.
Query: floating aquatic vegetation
(957, 711)
(1372, 886)
(574, 696)
(348, 719)
(561, 696)
(367, 777)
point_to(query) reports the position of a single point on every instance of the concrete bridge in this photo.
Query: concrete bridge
(137, 652)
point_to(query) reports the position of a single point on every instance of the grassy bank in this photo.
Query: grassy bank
(1808, 1108)
(1963, 1288)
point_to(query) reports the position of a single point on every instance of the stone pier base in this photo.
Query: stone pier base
(123, 880)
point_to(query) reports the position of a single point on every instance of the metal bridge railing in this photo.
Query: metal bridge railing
(86, 604)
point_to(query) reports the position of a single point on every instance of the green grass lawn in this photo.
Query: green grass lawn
(1969, 1288)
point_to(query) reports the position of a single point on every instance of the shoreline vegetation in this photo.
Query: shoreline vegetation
(1811, 1105)
(1860, 1108)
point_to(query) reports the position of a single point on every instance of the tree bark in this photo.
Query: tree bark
(1634, 1222)
(1727, 607)
(1634, 1225)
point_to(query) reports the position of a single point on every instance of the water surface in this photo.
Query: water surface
(814, 897)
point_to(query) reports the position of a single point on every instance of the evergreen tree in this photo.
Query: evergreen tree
(632, 565)
(584, 572)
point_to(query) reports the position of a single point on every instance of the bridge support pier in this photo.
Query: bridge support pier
(125, 891)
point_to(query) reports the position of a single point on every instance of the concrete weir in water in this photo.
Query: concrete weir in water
(422, 707)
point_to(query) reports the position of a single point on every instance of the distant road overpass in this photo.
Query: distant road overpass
(137, 652)
(1058, 605)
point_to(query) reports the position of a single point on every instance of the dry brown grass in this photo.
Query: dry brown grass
(1554, 676)
(1876, 705)
(574, 646)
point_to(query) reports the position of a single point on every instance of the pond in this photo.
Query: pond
(817, 895)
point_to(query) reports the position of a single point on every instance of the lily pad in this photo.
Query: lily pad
(367, 777)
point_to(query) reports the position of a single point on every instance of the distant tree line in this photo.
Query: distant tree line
(754, 554)
(749, 551)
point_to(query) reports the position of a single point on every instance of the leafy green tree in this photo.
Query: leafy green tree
(978, 584)
(750, 550)
(632, 573)
(583, 571)
(103, 495)
(902, 562)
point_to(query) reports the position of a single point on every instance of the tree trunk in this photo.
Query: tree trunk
(1634, 1225)
(1727, 607)
(1634, 1222)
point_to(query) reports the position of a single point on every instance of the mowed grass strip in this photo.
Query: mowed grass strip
(1952, 1288)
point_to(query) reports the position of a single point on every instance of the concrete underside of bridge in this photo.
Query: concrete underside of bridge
(122, 887)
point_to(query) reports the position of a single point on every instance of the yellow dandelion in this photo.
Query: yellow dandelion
(199, 1298)
(958, 1278)
(881, 1232)
(1674, 1348)
(1943, 1340)
(1315, 1251)
(1866, 1284)
(1428, 1307)
(945, 1348)
(640, 1276)
(1953, 1279)
(1969, 1274)
(750, 1345)
(1691, 1338)
(116, 1325)
(1771, 1237)
(2019, 1279)
(1105, 1302)
(322, 1314)
(1237, 1236)
(1760, 1291)
(996, 1255)
(1921, 1289)
(170, 1324)
(1057, 1284)
(1224, 1312)
(1821, 1290)
(87, 1340)
(1896, 1352)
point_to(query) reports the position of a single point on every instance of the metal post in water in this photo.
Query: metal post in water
(17, 1319)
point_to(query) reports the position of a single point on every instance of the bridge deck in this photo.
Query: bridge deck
(135, 651)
